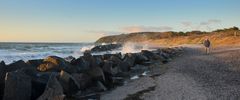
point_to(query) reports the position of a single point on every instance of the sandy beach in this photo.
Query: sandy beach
(192, 76)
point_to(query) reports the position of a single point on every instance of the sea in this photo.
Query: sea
(11, 52)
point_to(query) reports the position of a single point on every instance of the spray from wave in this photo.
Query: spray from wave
(131, 47)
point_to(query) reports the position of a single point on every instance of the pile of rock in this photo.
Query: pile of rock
(55, 78)
(107, 47)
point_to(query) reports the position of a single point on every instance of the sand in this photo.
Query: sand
(192, 76)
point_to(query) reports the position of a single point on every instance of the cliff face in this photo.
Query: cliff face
(220, 36)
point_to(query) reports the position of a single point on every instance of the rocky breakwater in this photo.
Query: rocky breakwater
(86, 77)
(106, 47)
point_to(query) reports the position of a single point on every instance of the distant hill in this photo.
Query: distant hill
(173, 38)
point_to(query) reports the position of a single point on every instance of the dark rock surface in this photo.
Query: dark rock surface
(53, 90)
(35, 63)
(17, 65)
(108, 47)
(17, 86)
(69, 83)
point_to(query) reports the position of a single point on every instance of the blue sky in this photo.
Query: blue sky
(87, 20)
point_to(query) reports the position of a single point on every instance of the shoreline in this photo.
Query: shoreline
(78, 78)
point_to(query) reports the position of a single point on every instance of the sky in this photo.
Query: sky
(88, 20)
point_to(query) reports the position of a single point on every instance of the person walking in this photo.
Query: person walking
(207, 45)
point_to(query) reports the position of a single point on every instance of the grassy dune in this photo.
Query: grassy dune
(230, 36)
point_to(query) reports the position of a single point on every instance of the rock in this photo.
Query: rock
(115, 59)
(130, 58)
(139, 69)
(83, 80)
(101, 87)
(89, 58)
(55, 64)
(87, 53)
(53, 90)
(140, 58)
(32, 72)
(124, 66)
(72, 69)
(17, 65)
(81, 63)
(47, 66)
(99, 60)
(69, 59)
(103, 48)
(17, 86)
(169, 51)
(96, 73)
(35, 63)
(129, 61)
(69, 84)
(39, 84)
(117, 81)
(106, 56)
(165, 55)
(2, 76)
(109, 68)
(150, 55)
(2, 63)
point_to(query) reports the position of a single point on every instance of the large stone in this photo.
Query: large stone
(140, 58)
(102, 48)
(17, 65)
(169, 50)
(86, 62)
(53, 90)
(115, 59)
(124, 66)
(35, 63)
(83, 80)
(17, 86)
(69, 83)
(108, 56)
(139, 69)
(109, 67)
(99, 60)
(96, 73)
(150, 55)
(81, 63)
(39, 84)
(130, 59)
(54, 63)
(2, 76)
(101, 86)
(2, 63)
(69, 59)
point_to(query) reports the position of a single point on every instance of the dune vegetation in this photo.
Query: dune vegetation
(228, 36)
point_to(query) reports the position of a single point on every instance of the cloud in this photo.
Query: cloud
(202, 25)
(214, 21)
(187, 24)
(211, 21)
(131, 29)
(101, 33)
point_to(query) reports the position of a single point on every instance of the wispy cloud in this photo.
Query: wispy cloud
(202, 25)
(211, 21)
(101, 33)
(130, 29)
(187, 24)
